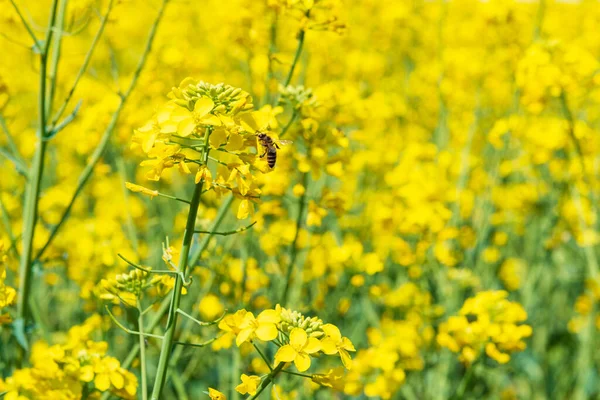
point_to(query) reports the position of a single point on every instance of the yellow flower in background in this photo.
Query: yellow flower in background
(486, 320)
(210, 307)
(298, 350)
(249, 384)
(334, 343)
(216, 395)
(7, 293)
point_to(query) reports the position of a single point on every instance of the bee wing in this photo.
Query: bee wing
(284, 142)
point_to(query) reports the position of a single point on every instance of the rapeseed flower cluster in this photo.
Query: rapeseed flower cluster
(78, 367)
(486, 322)
(441, 151)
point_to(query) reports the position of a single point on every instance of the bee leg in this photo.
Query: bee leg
(263, 154)
(277, 146)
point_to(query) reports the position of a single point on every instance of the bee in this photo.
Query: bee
(271, 146)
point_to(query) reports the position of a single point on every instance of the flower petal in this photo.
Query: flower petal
(346, 360)
(117, 380)
(333, 331)
(328, 346)
(266, 332)
(186, 127)
(302, 362)
(243, 336)
(203, 106)
(312, 345)
(347, 344)
(271, 316)
(285, 354)
(102, 382)
(298, 337)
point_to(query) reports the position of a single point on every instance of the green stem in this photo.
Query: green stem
(12, 145)
(30, 211)
(297, 374)
(289, 124)
(59, 28)
(26, 25)
(142, 352)
(245, 228)
(294, 245)
(265, 359)
(99, 150)
(167, 344)
(164, 306)
(272, 51)
(85, 64)
(464, 383)
(264, 384)
(301, 36)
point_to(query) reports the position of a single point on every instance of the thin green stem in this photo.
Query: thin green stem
(294, 245)
(85, 64)
(197, 321)
(272, 51)
(203, 344)
(36, 43)
(296, 373)
(30, 211)
(289, 124)
(142, 352)
(301, 36)
(130, 331)
(104, 141)
(12, 145)
(265, 359)
(53, 72)
(464, 383)
(245, 228)
(19, 166)
(267, 381)
(150, 271)
(168, 196)
(167, 344)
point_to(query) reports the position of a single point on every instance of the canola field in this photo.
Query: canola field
(299, 199)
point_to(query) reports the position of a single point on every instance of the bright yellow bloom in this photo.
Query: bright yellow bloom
(184, 122)
(263, 327)
(334, 343)
(298, 350)
(216, 395)
(249, 384)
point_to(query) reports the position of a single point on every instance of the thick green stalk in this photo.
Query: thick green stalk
(167, 344)
(294, 246)
(142, 352)
(30, 211)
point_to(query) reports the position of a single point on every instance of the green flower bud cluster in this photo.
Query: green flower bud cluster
(293, 319)
(228, 99)
(297, 97)
(134, 282)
